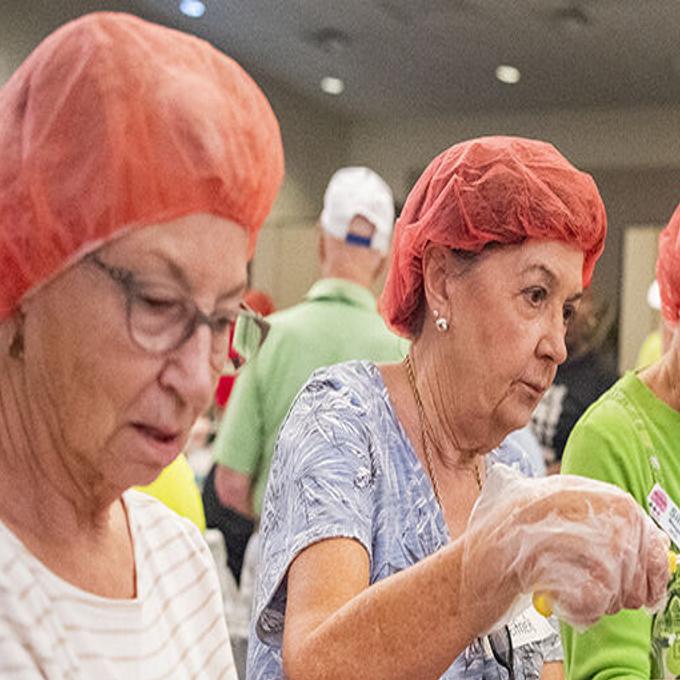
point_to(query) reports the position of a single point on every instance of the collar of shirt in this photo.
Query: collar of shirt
(343, 290)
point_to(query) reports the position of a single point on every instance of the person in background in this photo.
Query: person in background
(338, 320)
(138, 164)
(374, 563)
(579, 381)
(630, 438)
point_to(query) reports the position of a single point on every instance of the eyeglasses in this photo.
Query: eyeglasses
(161, 320)
(500, 642)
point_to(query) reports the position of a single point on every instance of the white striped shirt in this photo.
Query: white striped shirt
(173, 628)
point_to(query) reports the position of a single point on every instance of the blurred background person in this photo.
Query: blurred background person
(630, 437)
(138, 164)
(580, 380)
(337, 320)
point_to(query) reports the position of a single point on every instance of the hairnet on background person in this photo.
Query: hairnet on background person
(668, 269)
(490, 190)
(114, 123)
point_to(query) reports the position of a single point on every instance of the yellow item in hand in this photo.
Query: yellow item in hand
(543, 602)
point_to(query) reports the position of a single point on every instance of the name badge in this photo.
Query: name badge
(664, 512)
(526, 628)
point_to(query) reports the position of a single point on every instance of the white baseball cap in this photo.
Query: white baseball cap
(358, 191)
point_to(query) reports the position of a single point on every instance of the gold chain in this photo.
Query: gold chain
(426, 432)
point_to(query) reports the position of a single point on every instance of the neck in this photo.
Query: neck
(347, 272)
(42, 488)
(455, 446)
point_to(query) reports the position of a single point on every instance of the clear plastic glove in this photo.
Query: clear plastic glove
(586, 544)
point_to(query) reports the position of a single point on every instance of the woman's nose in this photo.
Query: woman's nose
(553, 342)
(189, 371)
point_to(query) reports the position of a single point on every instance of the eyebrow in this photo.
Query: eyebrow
(551, 277)
(180, 276)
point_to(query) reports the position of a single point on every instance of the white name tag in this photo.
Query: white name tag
(664, 512)
(528, 627)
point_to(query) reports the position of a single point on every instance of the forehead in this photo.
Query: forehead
(208, 251)
(555, 261)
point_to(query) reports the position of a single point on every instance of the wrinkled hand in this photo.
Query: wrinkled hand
(586, 544)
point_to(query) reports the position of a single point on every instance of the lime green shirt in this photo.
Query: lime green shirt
(630, 438)
(338, 321)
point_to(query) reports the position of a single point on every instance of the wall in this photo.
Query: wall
(637, 318)
(316, 143)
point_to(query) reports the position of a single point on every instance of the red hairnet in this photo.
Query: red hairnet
(668, 269)
(490, 190)
(115, 123)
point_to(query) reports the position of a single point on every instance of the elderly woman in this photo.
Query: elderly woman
(630, 437)
(373, 566)
(137, 165)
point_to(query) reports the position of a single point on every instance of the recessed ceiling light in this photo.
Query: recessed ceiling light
(192, 8)
(508, 74)
(332, 85)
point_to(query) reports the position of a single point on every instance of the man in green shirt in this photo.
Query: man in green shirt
(337, 321)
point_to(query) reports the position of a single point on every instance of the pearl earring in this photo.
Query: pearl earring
(441, 323)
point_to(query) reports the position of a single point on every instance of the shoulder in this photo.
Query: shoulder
(610, 422)
(331, 425)
(606, 443)
(349, 387)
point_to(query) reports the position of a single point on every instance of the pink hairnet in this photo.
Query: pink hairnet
(114, 123)
(490, 190)
(668, 269)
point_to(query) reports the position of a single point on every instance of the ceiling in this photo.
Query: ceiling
(409, 57)
(413, 57)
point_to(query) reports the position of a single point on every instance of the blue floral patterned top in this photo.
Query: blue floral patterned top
(344, 467)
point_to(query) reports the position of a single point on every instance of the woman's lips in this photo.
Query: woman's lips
(537, 388)
(166, 443)
(159, 434)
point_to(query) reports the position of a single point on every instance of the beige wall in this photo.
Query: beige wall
(616, 139)
(637, 318)
(316, 143)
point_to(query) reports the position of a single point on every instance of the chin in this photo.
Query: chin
(517, 419)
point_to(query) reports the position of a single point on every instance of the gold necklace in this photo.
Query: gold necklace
(426, 432)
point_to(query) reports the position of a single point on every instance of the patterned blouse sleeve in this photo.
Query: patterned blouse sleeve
(320, 485)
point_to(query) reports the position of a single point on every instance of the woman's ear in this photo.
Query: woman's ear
(436, 276)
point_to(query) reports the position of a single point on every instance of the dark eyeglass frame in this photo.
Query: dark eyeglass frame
(506, 661)
(131, 287)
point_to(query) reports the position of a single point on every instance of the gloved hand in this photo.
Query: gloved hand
(586, 544)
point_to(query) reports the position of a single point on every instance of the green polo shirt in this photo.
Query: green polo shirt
(338, 321)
